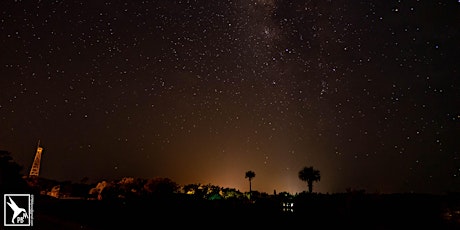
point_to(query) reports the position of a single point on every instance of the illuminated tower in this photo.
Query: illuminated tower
(36, 165)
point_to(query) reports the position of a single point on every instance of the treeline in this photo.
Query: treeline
(130, 187)
(128, 202)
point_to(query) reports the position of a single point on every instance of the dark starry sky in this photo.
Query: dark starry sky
(367, 92)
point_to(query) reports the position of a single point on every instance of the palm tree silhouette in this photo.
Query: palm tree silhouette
(250, 174)
(310, 175)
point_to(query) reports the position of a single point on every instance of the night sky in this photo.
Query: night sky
(367, 92)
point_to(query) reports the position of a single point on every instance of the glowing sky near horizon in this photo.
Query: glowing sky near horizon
(367, 92)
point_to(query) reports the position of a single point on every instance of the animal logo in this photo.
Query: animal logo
(16, 211)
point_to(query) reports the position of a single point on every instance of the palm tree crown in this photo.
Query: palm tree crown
(310, 175)
(250, 174)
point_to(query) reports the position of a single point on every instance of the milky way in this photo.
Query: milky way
(367, 92)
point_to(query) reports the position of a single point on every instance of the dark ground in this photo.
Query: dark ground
(345, 211)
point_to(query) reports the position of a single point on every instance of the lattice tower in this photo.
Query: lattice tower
(34, 171)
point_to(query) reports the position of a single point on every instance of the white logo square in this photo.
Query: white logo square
(17, 210)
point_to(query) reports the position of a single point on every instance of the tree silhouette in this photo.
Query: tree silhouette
(10, 174)
(161, 186)
(310, 175)
(250, 174)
